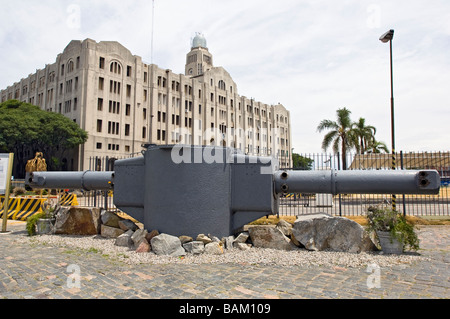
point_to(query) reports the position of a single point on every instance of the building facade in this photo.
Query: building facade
(123, 103)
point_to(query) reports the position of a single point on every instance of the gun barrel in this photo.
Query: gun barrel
(358, 182)
(86, 180)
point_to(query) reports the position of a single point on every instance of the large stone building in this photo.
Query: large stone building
(124, 103)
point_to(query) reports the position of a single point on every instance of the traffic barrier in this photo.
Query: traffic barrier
(21, 208)
(68, 200)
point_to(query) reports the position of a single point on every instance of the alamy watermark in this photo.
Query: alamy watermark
(258, 145)
(374, 16)
(73, 20)
(374, 279)
(74, 279)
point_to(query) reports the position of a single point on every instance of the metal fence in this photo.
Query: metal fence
(96, 198)
(347, 204)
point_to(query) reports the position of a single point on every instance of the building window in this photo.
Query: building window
(100, 104)
(70, 66)
(115, 68)
(129, 70)
(144, 132)
(99, 146)
(127, 129)
(99, 126)
(102, 63)
(101, 83)
(127, 109)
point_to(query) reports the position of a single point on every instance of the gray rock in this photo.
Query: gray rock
(110, 219)
(194, 247)
(110, 232)
(125, 240)
(203, 238)
(77, 221)
(165, 244)
(241, 238)
(269, 237)
(323, 232)
(243, 246)
(126, 224)
(138, 236)
(185, 239)
(285, 227)
(228, 242)
(213, 248)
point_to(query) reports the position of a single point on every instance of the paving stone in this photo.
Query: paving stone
(43, 274)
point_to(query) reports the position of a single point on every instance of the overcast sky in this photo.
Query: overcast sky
(311, 56)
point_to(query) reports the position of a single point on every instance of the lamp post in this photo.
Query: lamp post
(387, 37)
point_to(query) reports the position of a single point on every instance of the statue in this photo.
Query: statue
(37, 164)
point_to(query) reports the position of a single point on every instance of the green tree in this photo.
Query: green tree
(377, 147)
(301, 162)
(25, 129)
(340, 135)
(363, 134)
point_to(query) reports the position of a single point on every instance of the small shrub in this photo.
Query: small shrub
(17, 191)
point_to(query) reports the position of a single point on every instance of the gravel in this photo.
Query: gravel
(298, 257)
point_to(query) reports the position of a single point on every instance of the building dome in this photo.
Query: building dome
(199, 41)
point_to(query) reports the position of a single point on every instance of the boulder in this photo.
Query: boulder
(269, 237)
(110, 232)
(213, 248)
(126, 224)
(285, 227)
(194, 247)
(243, 246)
(165, 244)
(110, 219)
(125, 240)
(151, 234)
(144, 246)
(138, 236)
(241, 238)
(203, 238)
(228, 242)
(185, 239)
(77, 221)
(324, 232)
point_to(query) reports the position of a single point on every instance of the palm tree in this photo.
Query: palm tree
(340, 134)
(377, 147)
(364, 134)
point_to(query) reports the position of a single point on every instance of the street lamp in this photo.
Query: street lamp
(387, 37)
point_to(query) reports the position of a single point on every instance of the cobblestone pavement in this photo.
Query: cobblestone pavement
(40, 271)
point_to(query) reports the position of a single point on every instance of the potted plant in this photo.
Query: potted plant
(394, 233)
(43, 221)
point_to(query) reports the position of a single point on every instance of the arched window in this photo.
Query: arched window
(222, 85)
(115, 68)
(70, 66)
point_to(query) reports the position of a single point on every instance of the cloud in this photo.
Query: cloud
(312, 56)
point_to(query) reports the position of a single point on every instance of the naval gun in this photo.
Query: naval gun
(188, 190)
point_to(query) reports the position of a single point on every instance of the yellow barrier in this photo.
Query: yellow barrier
(21, 208)
(68, 200)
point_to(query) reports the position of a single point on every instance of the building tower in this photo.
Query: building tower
(199, 59)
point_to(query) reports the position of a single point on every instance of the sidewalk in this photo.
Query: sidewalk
(40, 271)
